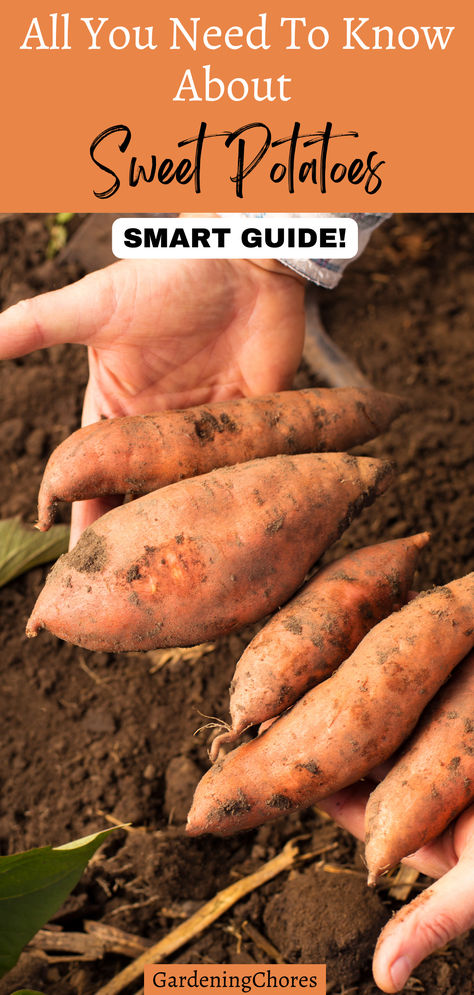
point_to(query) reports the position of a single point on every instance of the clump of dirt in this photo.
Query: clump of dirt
(313, 920)
(90, 555)
(207, 426)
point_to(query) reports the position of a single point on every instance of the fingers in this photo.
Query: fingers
(72, 314)
(436, 916)
(85, 513)
(439, 856)
(347, 807)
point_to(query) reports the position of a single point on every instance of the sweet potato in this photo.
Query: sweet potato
(140, 454)
(342, 728)
(204, 556)
(319, 628)
(430, 783)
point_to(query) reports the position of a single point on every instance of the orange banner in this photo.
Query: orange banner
(235, 979)
(179, 107)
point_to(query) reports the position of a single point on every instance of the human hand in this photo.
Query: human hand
(440, 912)
(166, 335)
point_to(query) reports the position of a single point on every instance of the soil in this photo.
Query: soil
(89, 737)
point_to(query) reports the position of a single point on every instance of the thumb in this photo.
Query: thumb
(72, 314)
(436, 916)
(85, 513)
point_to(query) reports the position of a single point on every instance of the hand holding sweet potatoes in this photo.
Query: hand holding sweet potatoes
(342, 728)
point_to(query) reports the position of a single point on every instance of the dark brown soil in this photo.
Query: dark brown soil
(306, 920)
(89, 735)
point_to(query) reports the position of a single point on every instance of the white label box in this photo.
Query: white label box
(235, 237)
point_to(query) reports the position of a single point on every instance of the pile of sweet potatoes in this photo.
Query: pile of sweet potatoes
(247, 503)
(356, 719)
(232, 505)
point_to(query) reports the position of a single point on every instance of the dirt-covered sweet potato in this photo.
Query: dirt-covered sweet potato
(139, 454)
(430, 783)
(344, 727)
(204, 556)
(319, 628)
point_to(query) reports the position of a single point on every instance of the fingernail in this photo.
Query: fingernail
(400, 972)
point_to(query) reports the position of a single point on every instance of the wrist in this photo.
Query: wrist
(270, 265)
(275, 266)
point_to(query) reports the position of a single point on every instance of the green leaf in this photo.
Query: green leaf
(22, 548)
(33, 886)
(64, 217)
(26, 991)
(58, 234)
